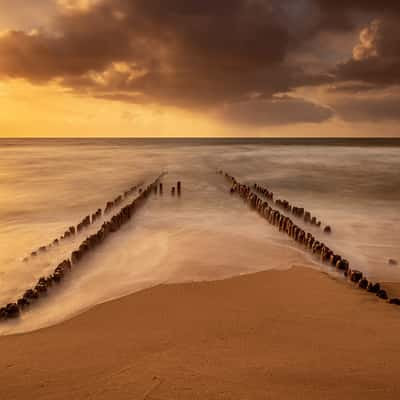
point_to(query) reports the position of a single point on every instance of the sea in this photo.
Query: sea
(47, 185)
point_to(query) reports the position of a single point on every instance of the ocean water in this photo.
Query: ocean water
(206, 234)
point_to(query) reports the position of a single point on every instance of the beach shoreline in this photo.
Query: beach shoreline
(275, 334)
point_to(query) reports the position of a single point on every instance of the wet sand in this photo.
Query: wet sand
(297, 334)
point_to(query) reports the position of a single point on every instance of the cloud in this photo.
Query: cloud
(77, 5)
(351, 87)
(25, 14)
(375, 109)
(376, 58)
(277, 111)
(205, 55)
(189, 53)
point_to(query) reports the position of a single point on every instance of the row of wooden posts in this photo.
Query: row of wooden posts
(306, 239)
(86, 221)
(177, 189)
(44, 284)
(285, 205)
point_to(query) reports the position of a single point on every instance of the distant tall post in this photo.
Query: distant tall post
(178, 185)
(161, 188)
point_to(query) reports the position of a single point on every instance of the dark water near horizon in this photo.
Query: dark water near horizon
(323, 141)
(47, 185)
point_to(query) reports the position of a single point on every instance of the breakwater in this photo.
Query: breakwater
(305, 239)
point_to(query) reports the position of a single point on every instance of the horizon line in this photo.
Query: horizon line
(203, 137)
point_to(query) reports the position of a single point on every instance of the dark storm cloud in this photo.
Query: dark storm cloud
(276, 111)
(184, 52)
(370, 109)
(189, 53)
(344, 7)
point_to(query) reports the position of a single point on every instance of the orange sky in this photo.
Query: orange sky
(59, 101)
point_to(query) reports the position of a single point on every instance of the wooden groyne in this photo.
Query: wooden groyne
(44, 284)
(305, 239)
(285, 205)
(84, 223)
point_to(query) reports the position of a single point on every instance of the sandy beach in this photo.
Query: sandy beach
(297, 334)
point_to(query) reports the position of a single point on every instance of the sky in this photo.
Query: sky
(166, 68)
